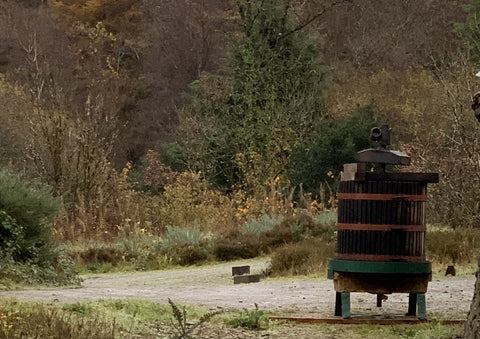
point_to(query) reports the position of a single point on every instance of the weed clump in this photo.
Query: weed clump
(181, 327)
(44, 322)
(251, 319)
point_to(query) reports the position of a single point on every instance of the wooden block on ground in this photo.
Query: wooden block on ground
(240, 270)
(245, 279)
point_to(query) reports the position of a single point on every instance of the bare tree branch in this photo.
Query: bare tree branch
(316, 16)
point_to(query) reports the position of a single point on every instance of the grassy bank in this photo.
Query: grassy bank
(143, 319)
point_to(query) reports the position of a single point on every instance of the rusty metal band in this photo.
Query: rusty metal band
(379, 257)
(381, 227)
(382, 197)
(373, 320)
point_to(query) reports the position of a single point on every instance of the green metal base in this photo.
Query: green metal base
(415, 302)
(387, 267)
(363, 271)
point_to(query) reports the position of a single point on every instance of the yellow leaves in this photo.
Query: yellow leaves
(114, 15)
(126, 170)
(404, 99)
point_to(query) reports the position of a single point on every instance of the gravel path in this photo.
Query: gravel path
(212, 286)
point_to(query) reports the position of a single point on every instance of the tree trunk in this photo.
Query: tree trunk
(472, 326)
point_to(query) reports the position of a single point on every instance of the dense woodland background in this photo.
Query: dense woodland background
(155, 117)
(139, 134)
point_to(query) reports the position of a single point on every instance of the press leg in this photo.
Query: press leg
(422, 306)
(412, 304)
(346, 305)
(338, 304)
(379, 300)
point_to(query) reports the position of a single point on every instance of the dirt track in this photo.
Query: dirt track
(212, 286)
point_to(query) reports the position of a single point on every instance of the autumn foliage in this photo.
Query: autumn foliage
(208, 114)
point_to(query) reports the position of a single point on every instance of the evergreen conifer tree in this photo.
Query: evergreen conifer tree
(272, 101)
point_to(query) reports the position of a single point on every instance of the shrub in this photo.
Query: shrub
(101, 253)
(157, 174)
(281, 234)
(182, 235)
(321, 157)
(27, 254)
(130, 252)
(295, 228)
(60, 271)
(188, 254)
(236, 245)
(185, 245)
(25, 208)
(11, 236)
(190, 201)
(306, 257)
(449, 246)
(261, 225)
(327, 218)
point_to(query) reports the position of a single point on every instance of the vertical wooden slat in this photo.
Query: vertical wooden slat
(392, 212)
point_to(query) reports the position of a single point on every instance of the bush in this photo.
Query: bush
(182, 235)
(314, 245)
(101, 253)
(447, 246)
(236, 244)
(185, 245)
(227, 251)
(291, 229)
(27, 254)
(294, 228)
(60, 271)
(306, 257)
(261, 225)
(25, 208)
(188, 254)
(280, 235)
(321, 158)
(135, 251)
(190, 201)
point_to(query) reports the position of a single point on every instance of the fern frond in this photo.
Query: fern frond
(177, 314)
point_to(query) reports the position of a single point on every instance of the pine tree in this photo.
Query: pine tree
(272, 101)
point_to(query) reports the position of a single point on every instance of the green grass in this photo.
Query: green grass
(111, 318)
(28, 320)
(432, 330)
(143, 319)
